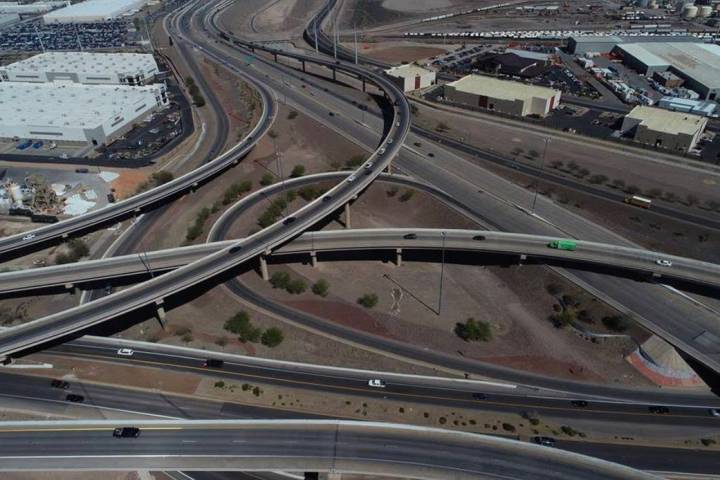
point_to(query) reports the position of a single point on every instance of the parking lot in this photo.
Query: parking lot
(35, 36)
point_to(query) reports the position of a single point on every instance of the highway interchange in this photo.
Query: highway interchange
(228, 255)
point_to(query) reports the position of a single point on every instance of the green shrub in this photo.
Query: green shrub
(240, 325)
(280, 280)
(617, 323)
(267, 179)
(297, 171)
(407, 195)
(355, 161)
(321, 287)
(369, 300)
(473, 330)
(272, 337)
(296, 286)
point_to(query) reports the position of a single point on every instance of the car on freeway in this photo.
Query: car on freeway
(546, 441)
(369, 165)
(75, 398)
(431, 155)
(235, 249)
(60, 384)
(127, 352)
(29, 236)
(479, 396)
(563, 245)
(331, 114)
(410, 236)
(126, 432)
(289, 220)
(351, 178)
(663, 263)
(660, 410)
(390, 140)
(327, 198)
(715, 412)
(213, 363)
(579, 403)
(479, 237)
(377, 383)
(381, 151)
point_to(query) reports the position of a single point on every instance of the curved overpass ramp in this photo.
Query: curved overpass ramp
(294, 445)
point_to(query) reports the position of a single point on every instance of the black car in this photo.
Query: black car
(658, 409)
(213, 363)
(410, 236)
(579, 403)
(126, 432)
(235, 249)
(71, 397)
(60, 384)
(479, 237)
(288, 220)
(479, 396)
(326, 198)
(546, 441)
(331, 114)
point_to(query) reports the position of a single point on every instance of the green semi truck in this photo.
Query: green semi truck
(563, 244)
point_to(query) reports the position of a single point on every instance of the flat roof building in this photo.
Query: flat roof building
(582, 44)
(83, 67)
(31, 8)
(503, 96)
(64, 111)
(697, 63)
(411, 77)
(93, 11)
(664, 129)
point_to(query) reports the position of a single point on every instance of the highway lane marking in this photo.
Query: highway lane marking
(418, 397)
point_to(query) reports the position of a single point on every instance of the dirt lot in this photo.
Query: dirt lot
(263, 20)
(398, 52)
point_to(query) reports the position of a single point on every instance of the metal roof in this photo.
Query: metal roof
(409, 70)
(68, 104)
(660, 120)
(86, 63)
(501, 89)
(100, 9)
(699, 61)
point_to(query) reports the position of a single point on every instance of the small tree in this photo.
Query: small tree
(321, 287)
(407, 195)
(240, 324)
(617, 323)
(292, 114)
(369, 300)
(564, 317)
(297, 171)
(473, 330)
(280, 280)
(272, 337)
(691, 200)
(267, 179)
(296, 286)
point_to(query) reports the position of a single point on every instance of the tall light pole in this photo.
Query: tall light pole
(356, 46)
(278, 164)
(442, 272)
(542, 165)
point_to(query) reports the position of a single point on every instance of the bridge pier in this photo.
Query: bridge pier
(70, 287)
(160, 312)
(275, 57)
(347, 215)
(363, 84)
(303, 65)
(263, 268)
(522, 258)
(398, 257)
(194, 187)
(334, 74)
(313, 258)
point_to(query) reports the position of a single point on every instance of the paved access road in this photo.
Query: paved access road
(304, 445)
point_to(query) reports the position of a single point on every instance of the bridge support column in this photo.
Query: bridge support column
(363, 84)
(263, 268)
(522, 258)
(303, 65)
(334, 74)
(347, 215)
(160, 312)
(275, 57)
(656, 275)
(193, 187)
(398, 257)
(313, 258)
(70, 287)
(65, 236)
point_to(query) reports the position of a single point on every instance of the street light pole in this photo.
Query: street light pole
(542, 165)
(442, 272)
(278, 164)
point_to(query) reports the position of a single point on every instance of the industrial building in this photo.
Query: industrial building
(31, 8)
(63, 111)
(8, 19)
(664, 129)
(503, 96)
(581, 45)
(93, 11)
(698, 64)
(515, 63)
(411, 77)
(83, 67)
(704, 108)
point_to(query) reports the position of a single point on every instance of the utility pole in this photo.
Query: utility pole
(442, 272)
(356, 46)
(39, 37)
(335, 39)
(317, 50)
(542, 165)
(278, 164)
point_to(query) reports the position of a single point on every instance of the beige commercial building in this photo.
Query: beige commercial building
(504, 96)
(664, 129)
(411, 77)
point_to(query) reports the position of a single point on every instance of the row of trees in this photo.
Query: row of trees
(241, 325)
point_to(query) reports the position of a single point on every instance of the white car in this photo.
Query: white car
(127, 352)
(29, 236)
(351, 179)
(664, 263)
(369, 165)
(715, 412)
(376, 382)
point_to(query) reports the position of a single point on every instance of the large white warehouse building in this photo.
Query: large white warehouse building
(93, 11)
(83, 67)
(31, 8)
(64, 111)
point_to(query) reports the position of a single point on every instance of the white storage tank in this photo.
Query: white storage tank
(689, 11)
(705, 11)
